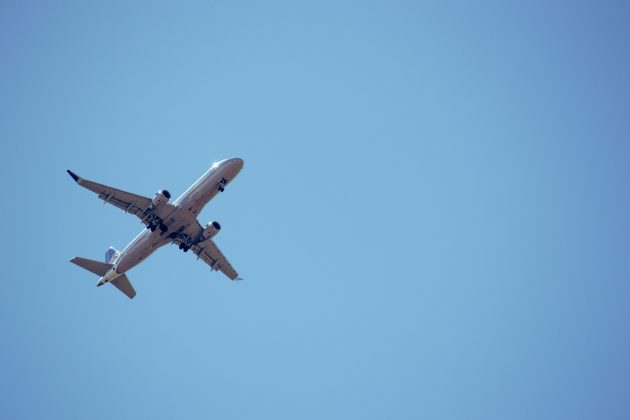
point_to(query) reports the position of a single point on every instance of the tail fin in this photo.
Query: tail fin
(123, 284)
(95, 267)
(111, 255)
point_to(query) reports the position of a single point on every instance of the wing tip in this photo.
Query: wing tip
(73, 175)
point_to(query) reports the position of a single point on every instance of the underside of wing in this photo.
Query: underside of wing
(207, 251)
(210, 253)
(129, 202)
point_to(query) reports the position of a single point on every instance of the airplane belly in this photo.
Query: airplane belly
(140, 248)
(206, 187)
(210, 186)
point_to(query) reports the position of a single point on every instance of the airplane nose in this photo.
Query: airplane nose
(237, 163)
(233, 164)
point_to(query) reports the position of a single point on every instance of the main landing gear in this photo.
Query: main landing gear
(185, 240)
(154, 222)
(222, 184)
(153, 226)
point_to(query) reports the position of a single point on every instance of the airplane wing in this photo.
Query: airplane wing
(210, 253)
(129, 202)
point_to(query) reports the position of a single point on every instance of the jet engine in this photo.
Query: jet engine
(211, 230)
(160, 198)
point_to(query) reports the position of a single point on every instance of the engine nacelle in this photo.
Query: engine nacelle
(160, 198)
(211, 230)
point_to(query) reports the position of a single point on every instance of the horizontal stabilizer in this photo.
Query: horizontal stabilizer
(123, 284)
(95, 267)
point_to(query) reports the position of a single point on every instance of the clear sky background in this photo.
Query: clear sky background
(432, 220)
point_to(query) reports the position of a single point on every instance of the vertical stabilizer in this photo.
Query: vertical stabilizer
(111, 255)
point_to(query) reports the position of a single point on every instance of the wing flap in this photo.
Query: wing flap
(126, 201)
(210, 253)
(119, 198)
(128, 206)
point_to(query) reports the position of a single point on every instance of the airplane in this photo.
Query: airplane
(165, 223)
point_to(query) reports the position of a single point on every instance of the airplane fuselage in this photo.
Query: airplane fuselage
(182, 220)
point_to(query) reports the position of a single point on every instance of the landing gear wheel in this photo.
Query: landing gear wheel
(153, 227)
(186, 249)
(222, 184)
(163, 227)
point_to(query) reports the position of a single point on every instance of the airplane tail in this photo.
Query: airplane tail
(121, 282)
(96, 267)
(111, 255)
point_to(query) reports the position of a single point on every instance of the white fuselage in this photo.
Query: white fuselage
(182, 218)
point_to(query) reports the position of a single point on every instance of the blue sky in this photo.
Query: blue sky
(432, 220)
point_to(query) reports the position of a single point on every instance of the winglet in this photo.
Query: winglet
(73, 175)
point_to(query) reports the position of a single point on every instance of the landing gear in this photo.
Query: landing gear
(185, 240)
(153, 222)
(222, 184)
(162, 226)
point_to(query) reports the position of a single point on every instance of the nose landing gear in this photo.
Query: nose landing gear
(222, 184)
